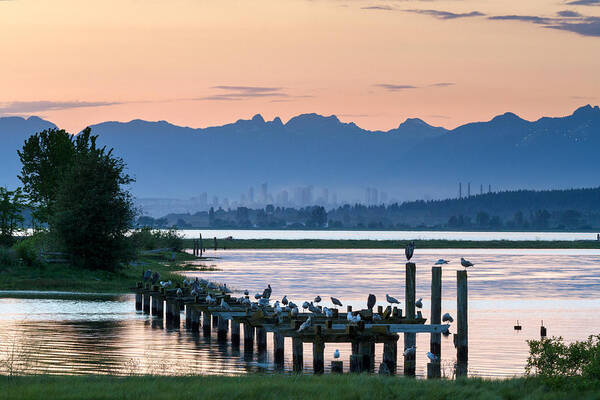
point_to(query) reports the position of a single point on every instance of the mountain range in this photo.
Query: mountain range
(414, 160)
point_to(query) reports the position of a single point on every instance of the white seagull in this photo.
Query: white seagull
(441, 261)
(466, 263)
(305, 324)
(336, 354)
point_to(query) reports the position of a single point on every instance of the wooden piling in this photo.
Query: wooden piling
(297, 354)
(410, 339)
(365, 350)
(146, 302)
(318, 357)
(390, 354)
(462, 322)
(196, 320)
(138, 297)
(176, 317)
(222, 328)
(248, 337)
(337, 367)
(278, 346)
(200, 245)
(435, 340)
(215, 240)
(160, 306)
(261, 338)
(188, 317)
(235, 333)
(206, 323)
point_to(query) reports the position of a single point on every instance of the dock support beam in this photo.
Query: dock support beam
(390, 354)
(206, 322)
(318, 357)
(278, 346)
(261, 338)
(222, 328)
(435, 341)
(196, 320)
(235, 333)
(462, 321)
(410, 339)
(365, 350)
(297, 354)
(138, 298)
(248, 337)
(146, 302)
(188, 317)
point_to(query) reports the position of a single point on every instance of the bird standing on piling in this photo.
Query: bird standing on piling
(284, 301)
(257, 296)
(441, 261)
(336, 354)
(305, 324)
(318, 299)
(328, 313)
(432, 356)
(447, 318)
(371, 300)
(336, 302)
(155, 277)
(263, 302)
(225, 305)
(391, 300)
(409, 250)
(267, 292)
(305, 305)
(419, 303)
(410, 350)
(466, 263)
(179, 292)
(147, 275)
(294, 312)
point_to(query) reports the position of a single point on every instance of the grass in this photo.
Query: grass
(63, 277)
(280, 387)
(395, 244)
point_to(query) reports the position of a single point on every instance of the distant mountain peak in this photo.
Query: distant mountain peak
(312, 119)
(587, 109)
(508, 117)
(258, 118)
(414, 122)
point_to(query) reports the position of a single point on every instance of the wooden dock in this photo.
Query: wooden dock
(382, 325)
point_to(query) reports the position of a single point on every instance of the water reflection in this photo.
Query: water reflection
(81, 335)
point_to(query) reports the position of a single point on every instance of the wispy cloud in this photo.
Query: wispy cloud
(382, 8)
(569, 14)
(443, 84)
(582, 25)
(25, 107)
(584, 3)
(236, 93)
(445, 14)
(394, 88)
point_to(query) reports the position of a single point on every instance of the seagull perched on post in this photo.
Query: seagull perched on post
(294, 312)
(284, 301)
(257, 296)
(410, 350)
(179, 292)
(225, 305)
(305, 305)
(441, 261)
(305, 324)
(318, 299)
(328, 313)
(409, 250)
(155, 277)
(447, 318)
(147, 275)
(336, 354)
(466, 263)
(371, 300)
(391, 299)
(267, 292)
(419, 303)
(432, 356)
(336, 302)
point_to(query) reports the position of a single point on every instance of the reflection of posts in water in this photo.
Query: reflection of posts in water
(410, 339)
(138, 297)
(297, 354)
(146, 301)
(435, 341)
(462, 322)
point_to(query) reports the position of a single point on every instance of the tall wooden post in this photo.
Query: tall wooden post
(278, 346)
(248, 337)
(215, 240)
(206, 322)
(235, 333)
(188, 317)
(195, 319)
(462, 321)
(365, 349)
(355, 358)
(390, 354)
(261, 338)
(138, 297)
(222, 328)
(435, 341)
(201, 245)
(160, 303)
(146, 302)
(318, 356)
(215, 321)
(169, 311)
(297, 354)
(410, 339)
(176, 313)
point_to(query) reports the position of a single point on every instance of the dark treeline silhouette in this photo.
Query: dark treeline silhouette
(573, 209)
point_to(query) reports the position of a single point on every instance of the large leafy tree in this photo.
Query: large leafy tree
(45, 156)
(92, 210)
(11, 217)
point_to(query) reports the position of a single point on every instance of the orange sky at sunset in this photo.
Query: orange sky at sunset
(203, 62)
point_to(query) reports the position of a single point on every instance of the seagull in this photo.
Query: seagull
(179, 292)
(466, 263)
(147, 275)
(318, 299)
(441, 261)
(294, 312)
(328, 313)
(211, 285)
(209, 299)
(284, 301)
(277, 308)
(419, 303)
(267, 292)
(193, 292)
(263, 302)
(410, 350)
(409, 250)
(371, 300)
(155, 277)
(225, 305)
(447, 318)
(226, 289)
(432, 356)
(292, 305)
(314, 310)
(305, 324)
(257, 296)
(336, 302)
(353, 318)
(246, 292)
(246, 301)
(336, 354)
(391, 299)
(305, 305)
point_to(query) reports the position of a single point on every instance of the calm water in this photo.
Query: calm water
(96, 334)
(386, 235)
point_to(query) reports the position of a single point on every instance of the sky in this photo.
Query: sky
(202, 63)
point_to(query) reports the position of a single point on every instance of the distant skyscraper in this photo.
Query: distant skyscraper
(251, 195)
(264, 193)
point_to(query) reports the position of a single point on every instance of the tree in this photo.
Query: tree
(92, 212)
(45, 157)
(11, 218)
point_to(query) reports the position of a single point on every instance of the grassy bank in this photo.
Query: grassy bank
(395, 244)
(63, 277)
(288, 387)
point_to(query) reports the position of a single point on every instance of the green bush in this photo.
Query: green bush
(7, 257)
(28, 251)
(151, 239)
(552, 358)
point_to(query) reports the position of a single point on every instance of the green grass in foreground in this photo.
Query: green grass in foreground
(277, 387)
(63, 277)
(395, 244)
